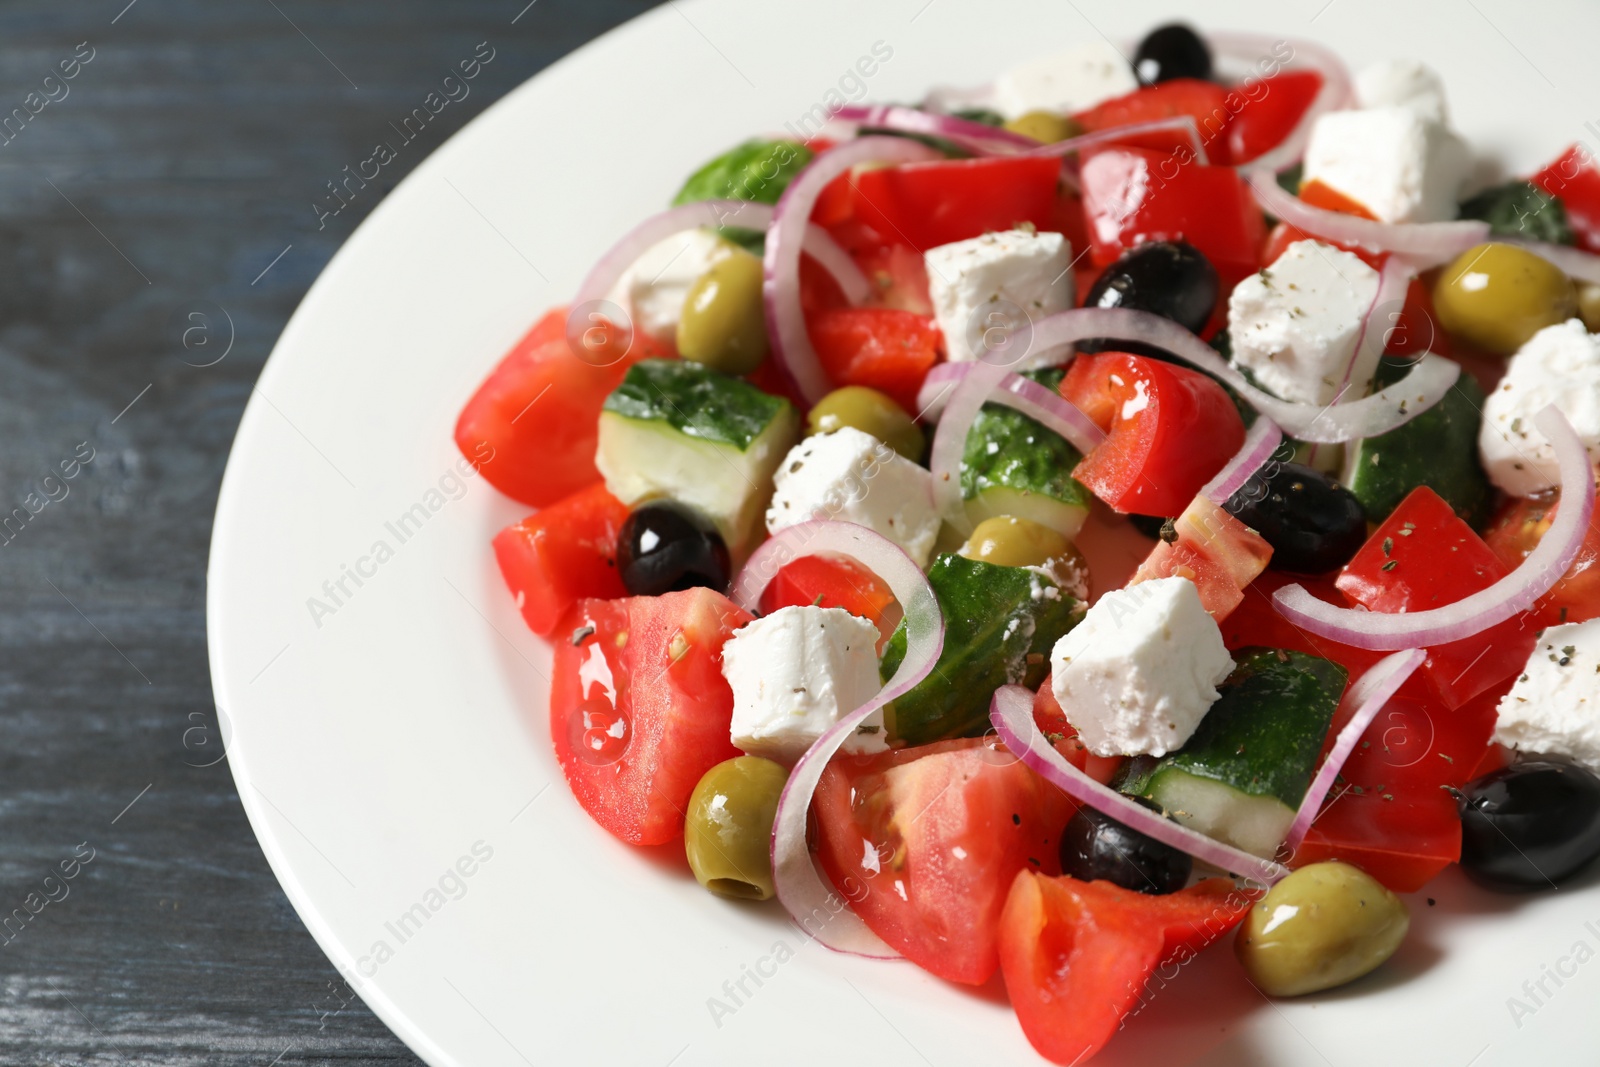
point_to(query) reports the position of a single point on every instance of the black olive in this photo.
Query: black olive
(1529, 824)
(1097, 846)
(1313, 523)
(1167, 278)
(1171, 51)
(664, 548)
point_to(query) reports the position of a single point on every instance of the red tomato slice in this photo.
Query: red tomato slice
(1574, 179)
(561, 555)
(1170, 430)
(1515, 532)
(1076, 955)
(936, 833)
(1424, 557)
(639, 710)
(1261, 122)
(890, 351)
(1206, 102)
(1255, 623)
(1215, 551)
(1132, 195)
(929, 204)
(532, 427)
(833, 582)
(900, 277)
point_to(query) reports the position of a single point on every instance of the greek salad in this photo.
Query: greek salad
(1142, 502)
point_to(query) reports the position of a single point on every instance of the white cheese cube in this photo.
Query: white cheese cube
(1295, 326)
(851, 476)
(1398, 165)
(1074, 80)
(653, 290)
(1137, 675)
(969, 280)
(1554, 706)
(1403, 83)
(794, 673)
(1559, 365)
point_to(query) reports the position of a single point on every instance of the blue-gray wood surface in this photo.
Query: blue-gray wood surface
(163, 187)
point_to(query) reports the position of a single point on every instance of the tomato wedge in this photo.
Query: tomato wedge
(936, 833)
(1215, 551)
(925, 205)
(1076, 955)
(1517, 530)
(1261, 122)
(1206, 102)
(639, 710)
(1170, 430)
(1574, 179)
(833, 582)
(562, 554)
(888, 350)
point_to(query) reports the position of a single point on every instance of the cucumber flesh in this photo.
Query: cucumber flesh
(1013, 465)
(1255, 824)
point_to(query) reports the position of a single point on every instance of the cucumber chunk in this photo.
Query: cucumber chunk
(681, 430)
(1242, 775)
(1013, 465)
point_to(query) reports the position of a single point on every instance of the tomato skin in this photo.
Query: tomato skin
(1170, 430)
(1433, 559)
(654, 665)
(948, 825)
(888, 350)
(562, 554)
(532, 427)
(1076, 955)
(1262, 122)
(833, 582)
(1517, 530)
(1574, 179)
(925, 205)
(1204, 101)
(1132, 195)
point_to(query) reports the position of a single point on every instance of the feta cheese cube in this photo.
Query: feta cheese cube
(1394, 162)
(1137, 675)
(653, 290)
(1295, 326)
(1403, 83)
(968, 280)
(794, 673)
(851, 476)
(1074, 80)
(1559, 365)
(1554, 706)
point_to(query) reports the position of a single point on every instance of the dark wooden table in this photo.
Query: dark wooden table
(155, 205)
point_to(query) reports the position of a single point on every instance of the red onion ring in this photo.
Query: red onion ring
(800, 886)
(1335, 92)
(1430, 243)
(1372, 691)
(1011, 712)
(1042, 404)
(1424, 386)
(1516, 592)
(786, 323)
(1259, 445)
(1114, 134)
(1584, 266)
(975, 137)
(976, 388)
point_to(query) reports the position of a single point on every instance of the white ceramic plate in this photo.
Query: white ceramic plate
(379, 745)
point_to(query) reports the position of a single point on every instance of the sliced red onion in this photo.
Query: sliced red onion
(1368, 696)
(1259, 445)
(1430, 243)
(1334, 94)
(1424, 386)
(1036, 401)
(1584, 266)
(975, 137)
(817, 243)
(786, 323)
(1011, 712)
(981, 381)
(1115, 134)
(800, 886)
(1512, 594)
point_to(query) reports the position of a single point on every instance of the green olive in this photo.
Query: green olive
(1044, 126)
(724, 323)
(1324, 925)
(1589, 306)
(1496, 296)
(870, 412)
(1007, 541)
(728, 831)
